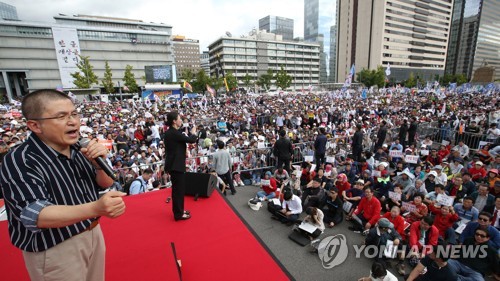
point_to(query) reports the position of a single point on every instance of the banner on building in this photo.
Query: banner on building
(67, 48)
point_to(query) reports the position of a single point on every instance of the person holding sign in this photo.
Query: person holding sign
(444, 218)
(420, 210)
(423, 234)
(269, 187)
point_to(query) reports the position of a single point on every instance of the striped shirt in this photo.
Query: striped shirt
(34, 176)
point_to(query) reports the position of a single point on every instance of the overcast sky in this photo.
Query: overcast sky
(205, 20)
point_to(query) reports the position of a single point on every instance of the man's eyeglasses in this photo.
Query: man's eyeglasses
(60, 117)
(481, 235)
(483, 219)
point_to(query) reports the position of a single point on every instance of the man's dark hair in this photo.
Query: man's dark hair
(440, 250)
(368, 188)
(418, 194)
(220, 144)
(428, 220)
(469, 198)
(171, 117)
(486, 214)
(148, 171)
(322, 130)
(33, 104)
(287, 195)
(282, 133)
(440, 186)
(378, 270)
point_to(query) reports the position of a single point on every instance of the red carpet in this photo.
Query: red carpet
(213, 245)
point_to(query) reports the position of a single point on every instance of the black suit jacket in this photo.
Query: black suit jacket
(283, 149)
(175, 149)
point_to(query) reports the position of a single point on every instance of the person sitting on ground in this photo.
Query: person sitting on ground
(466, 209)
(475, 267)
(434, 266)
(394, 216)
(477, 172)
(354, 195)
(315, 217)
(334, 213)
(430, 181)
(431, 197)
(482, 198)
(421, 209)
(291, 209)
(456, 189)
(444, 218)
(379, 272)
(342, 183)
(313, 195)
(422, 235)
(379, 236)
(388, 202)
(367, 212)
(484, 223)
(220, 183)
(281, 176)
(268, 189)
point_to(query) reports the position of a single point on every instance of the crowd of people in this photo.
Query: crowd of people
(418, 169)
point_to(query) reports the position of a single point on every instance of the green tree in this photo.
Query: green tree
(129, 79)
(84, 78)
(283, 80)
(460, 79)
(200, 81)
(107, 82)
(247, 81)
(372, 77)
(411, 81)
(217, 83)
(187, 75)
(232, 82)
(266, 79)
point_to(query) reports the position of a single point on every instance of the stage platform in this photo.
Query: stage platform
(213, 245)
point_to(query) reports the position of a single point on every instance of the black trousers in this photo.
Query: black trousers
(227, 178)
(178, 191)
(285, 162)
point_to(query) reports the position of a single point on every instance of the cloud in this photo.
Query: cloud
(205, 20)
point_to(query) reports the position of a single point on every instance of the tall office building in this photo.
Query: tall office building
(474, 38)
(8, 12)
(410, 35)
(277, 25)
(38, 55)
(255, 54)
(187, 54)
(205, 62)
(320, 25)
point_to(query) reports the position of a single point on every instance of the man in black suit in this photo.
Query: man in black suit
(175, 161)
(283, 151)
(357, 143)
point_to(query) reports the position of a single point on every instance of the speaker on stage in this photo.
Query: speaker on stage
(200, 184)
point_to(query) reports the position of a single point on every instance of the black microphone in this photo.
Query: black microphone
(84, 142)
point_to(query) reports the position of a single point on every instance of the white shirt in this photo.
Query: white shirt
(294, 205)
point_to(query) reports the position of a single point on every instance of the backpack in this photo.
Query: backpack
(126, 187)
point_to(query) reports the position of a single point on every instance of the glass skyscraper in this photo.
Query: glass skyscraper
(320, 25)
(474, 39)
(277, 25)
(8, 12)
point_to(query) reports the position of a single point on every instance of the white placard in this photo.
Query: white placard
(298, 173)
(313, 167)
(347, 206)
(483, 143)
(396, 153)
(276, 201)
(203, 160)
(263, 157)
(308, 158)
(330, 159)
(307, 227)
(236, 159)
(376, 173)
(67, 47)
(261, 145)
(461, 225)
(424, 152)
(445, 142)
(409, 207)
(246, 143)
(445, 200)
(394, 195)
(412, 159)
(390, 250)
(265, 182)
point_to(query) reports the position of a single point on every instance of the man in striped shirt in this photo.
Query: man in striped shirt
(51, 186)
